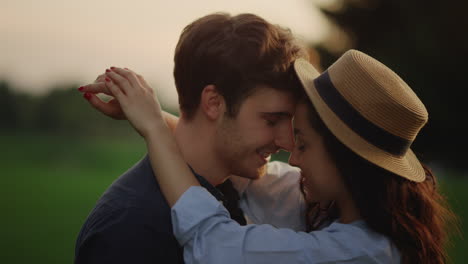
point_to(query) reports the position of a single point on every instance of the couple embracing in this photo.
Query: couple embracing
(206, 192)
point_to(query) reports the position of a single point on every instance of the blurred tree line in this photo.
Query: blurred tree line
(61, 112)
(426, 43)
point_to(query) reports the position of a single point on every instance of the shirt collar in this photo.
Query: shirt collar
(213, 190)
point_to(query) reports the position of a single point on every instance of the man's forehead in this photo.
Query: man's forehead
(274, 101)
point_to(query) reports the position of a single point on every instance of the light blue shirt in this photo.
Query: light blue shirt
(203, 227)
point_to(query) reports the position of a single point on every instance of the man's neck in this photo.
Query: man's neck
(196, 147)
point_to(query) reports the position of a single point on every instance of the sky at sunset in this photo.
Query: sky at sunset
(53, 42)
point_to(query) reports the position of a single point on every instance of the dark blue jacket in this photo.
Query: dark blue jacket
(131, 222)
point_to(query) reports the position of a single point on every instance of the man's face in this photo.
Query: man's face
(262, 127)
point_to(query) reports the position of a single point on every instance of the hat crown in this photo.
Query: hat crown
(378, 94)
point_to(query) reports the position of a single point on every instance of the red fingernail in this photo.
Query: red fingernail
(81, 88)
(107, 79)
(112, 68)
(87, 96)
(107, 70)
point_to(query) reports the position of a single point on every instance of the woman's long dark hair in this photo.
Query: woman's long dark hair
(414, 216)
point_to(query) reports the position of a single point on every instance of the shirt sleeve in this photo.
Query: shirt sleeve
(203, 227)
(128, 239)
(275, 198)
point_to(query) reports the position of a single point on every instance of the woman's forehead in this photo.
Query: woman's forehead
(300, 118)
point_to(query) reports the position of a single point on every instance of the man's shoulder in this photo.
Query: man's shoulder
(136, 187)
(134, 199)
(107, 218)
(125, 235)
(130, 216)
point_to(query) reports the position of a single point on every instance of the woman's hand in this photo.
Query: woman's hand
(136, 99)
(112, 107)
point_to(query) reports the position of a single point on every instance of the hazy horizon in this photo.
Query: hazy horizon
(51, 42)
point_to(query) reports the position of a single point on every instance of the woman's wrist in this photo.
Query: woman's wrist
(156, 129)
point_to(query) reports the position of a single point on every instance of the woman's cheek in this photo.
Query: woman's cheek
(310, 190)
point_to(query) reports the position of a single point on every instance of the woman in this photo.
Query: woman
(353, 132)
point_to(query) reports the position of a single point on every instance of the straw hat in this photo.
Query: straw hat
(370, 109)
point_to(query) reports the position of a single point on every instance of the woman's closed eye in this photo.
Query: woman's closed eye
(300, 145)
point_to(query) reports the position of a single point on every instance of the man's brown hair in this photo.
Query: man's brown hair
(234, 53)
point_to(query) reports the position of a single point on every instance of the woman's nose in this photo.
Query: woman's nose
(293, 159)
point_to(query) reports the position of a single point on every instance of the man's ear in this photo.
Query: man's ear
(211, 102)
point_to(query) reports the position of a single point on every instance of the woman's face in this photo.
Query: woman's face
(320, 178)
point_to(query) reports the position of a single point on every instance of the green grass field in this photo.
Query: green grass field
(49, 185)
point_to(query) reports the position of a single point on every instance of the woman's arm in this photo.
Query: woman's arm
(172, 172)
(143, 111)
(171, 120)
(203, 227)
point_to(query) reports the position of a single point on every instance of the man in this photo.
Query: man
(236, 97)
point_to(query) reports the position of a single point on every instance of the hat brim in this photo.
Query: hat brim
(407, 166)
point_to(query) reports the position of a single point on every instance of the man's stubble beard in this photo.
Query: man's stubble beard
(234, 152)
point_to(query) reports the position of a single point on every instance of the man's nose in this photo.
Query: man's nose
(284, 138)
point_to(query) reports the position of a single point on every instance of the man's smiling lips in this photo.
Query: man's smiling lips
(265, 155)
